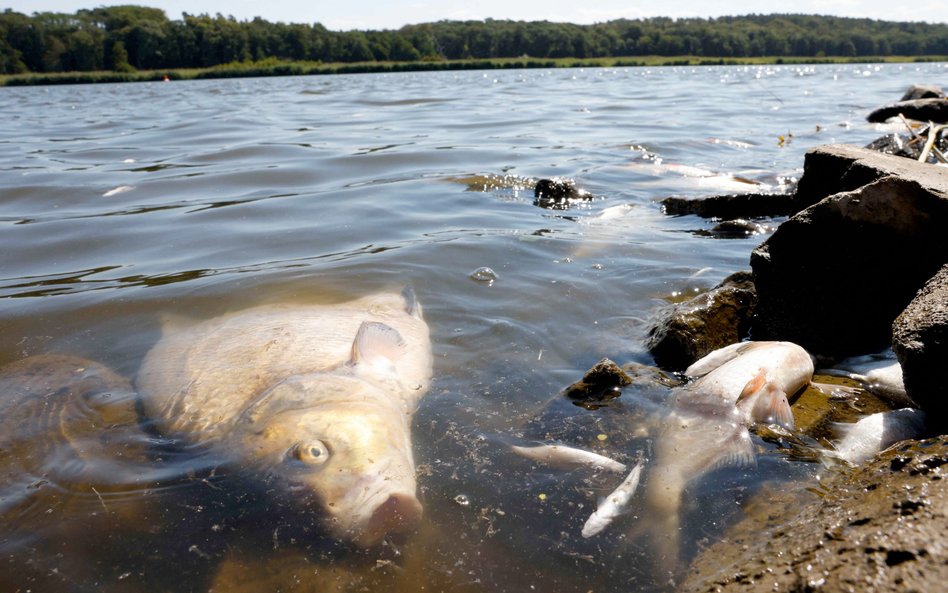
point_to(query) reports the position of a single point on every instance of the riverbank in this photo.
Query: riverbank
(273, 67)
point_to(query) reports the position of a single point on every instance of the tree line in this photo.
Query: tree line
(128, 37)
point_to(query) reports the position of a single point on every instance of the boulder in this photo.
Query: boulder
(933, 110)
(920, 340)
(882, 527)
(923, 91)
(834, 276)
(835, 168)
(705, 323)
(731, 206)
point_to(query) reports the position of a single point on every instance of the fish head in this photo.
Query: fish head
(341, 441)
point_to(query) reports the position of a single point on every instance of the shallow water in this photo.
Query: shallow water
(121, 203)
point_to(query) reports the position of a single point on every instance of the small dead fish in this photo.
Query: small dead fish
(862, 440)
(564, 457)
(879, 373)
(613, 505)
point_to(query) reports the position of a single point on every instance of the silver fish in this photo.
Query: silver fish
(614, 504)
(321, 396)
(564, 457)
(862, 440)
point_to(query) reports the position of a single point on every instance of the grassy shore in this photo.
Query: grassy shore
(273, 67)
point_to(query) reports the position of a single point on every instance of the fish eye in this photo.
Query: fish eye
(310, 453)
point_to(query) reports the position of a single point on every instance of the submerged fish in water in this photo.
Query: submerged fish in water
(870, 435)
(614, 504)
(568, 457)
(320, 396)
(706, 428)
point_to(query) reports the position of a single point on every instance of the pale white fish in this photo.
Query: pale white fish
(862, 440)
(318, 397)
(757, 377)
(614, 504)
(564, 457)
(879, 373)
(707, 426)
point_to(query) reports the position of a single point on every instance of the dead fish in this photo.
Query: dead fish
(758, 377)
(862, 440)
(706, 428)
(320, 396)
(614, 504)
(879, 373)
(563, 457)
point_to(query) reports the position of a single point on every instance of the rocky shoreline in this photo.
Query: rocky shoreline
(861, 265)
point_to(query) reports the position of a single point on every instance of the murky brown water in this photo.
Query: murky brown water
(122, 203)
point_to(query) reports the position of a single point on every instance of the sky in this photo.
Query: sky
(343, 15)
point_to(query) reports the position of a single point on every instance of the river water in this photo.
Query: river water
(123, 203)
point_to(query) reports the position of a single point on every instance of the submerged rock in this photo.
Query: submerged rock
(881, 527)
(558, 194)
(705, 323)
(602, 382)
(920, 340)
(834, 276)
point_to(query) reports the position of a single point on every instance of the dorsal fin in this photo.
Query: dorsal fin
(375, 340)
(412, 306)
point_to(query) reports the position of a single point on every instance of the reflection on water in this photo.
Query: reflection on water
(243, 192)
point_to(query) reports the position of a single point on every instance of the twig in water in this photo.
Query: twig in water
(101, 500)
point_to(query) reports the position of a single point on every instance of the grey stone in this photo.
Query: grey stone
(835, 168)
(920, 340)
(834, 276)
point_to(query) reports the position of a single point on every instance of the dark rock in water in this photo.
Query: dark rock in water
(705, 323)
(881, 527)
(834, 276)
(735, 229)
(920, 340)
(923, 91)
(602, 382)
(933, 110)
(558, 194)
(732, 206)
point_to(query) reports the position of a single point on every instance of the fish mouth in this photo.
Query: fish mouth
(399, 513)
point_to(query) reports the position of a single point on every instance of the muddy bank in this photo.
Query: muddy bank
(879, 527)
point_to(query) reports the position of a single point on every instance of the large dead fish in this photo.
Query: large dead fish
(320, 396)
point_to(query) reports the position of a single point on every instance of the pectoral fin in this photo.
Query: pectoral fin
(376, 342)
(765, 403)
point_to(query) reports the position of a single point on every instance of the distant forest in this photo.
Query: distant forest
(127, 38)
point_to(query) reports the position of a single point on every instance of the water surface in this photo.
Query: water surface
(123, 203)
